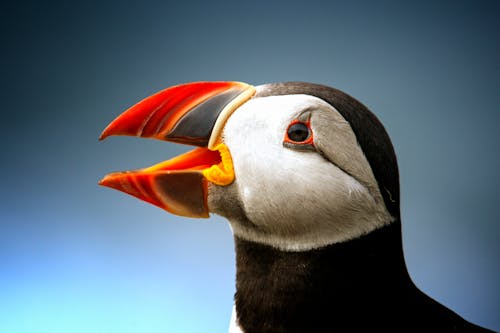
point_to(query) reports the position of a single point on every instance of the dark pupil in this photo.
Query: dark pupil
(298, 132)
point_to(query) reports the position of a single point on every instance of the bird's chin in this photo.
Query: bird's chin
(225, 201)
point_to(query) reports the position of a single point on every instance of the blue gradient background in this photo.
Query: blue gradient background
(75, 257)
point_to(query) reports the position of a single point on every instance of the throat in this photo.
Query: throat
(298, 291)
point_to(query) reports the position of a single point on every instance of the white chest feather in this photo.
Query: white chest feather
(233, 324)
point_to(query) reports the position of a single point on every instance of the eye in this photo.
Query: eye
(299, 136)
(298, 132)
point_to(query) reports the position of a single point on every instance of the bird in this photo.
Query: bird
(307, 177)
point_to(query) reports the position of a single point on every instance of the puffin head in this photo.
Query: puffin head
(292, 165)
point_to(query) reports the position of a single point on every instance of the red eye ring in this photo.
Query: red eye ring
(299, 133)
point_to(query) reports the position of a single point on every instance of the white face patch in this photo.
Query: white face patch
(298, 200)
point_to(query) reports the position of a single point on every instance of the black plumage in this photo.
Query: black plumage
(357, 286)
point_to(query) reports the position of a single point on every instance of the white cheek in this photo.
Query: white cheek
(247, 193)
(298, 199)
(272, 178)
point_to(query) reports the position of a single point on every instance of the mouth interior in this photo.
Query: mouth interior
(216, 165)
(197, 159)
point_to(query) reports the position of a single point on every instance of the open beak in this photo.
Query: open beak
(193, 114)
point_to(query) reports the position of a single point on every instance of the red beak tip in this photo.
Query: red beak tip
(107, 181)
(104, 134)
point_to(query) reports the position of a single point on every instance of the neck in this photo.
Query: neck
(294, 291)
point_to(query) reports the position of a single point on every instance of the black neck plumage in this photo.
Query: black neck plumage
(358, 285)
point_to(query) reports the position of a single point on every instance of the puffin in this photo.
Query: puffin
(307, 178)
